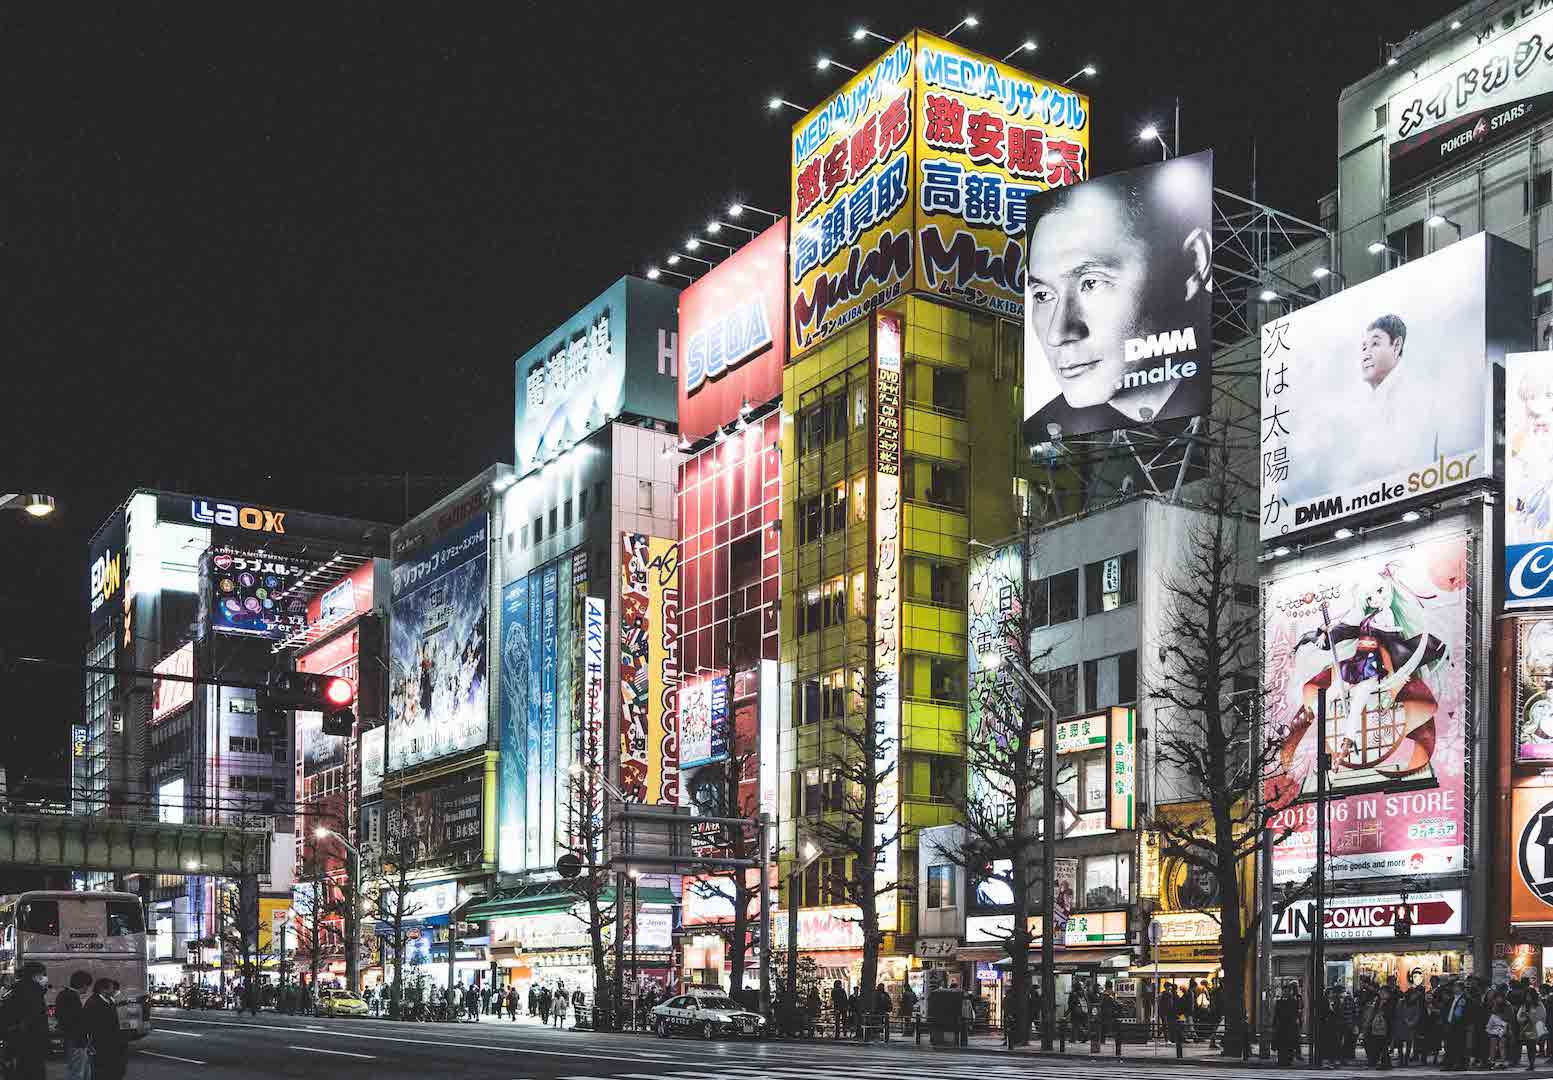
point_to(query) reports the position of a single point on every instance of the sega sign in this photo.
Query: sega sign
(729, 341)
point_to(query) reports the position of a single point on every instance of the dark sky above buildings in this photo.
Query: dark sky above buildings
(246, 245)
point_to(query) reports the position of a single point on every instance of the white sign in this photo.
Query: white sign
(372, 746)
(1182, 927)
(337, 602)
(167, 696)
(822, 928)
(1379, 395)
(936, 948)
(1356, 918)
(1099, 928)
(169, 802)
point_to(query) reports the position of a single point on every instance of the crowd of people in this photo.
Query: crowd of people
(1453, 1024)
(87, 1012)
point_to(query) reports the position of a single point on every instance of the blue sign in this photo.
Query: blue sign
(512, 789)
(547, 792)
(729, 341)
(1528, 572)
(719, 717)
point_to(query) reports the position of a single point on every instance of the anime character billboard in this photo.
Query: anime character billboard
(1379, 642)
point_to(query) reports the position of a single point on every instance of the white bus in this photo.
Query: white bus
(101, 933)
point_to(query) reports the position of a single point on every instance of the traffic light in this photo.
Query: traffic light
(327, 694)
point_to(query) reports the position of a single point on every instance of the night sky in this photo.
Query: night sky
(248, 248)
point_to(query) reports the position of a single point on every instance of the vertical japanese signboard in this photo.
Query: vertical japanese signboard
(913, 177)
(649, 669)
(995, 701)
(888, 333)
(1528, 479)
(512, 786)
(1122, 767)
(548, 704)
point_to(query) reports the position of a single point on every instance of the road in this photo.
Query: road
(223, 1046)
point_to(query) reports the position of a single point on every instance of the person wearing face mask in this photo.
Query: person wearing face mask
(100, 1021)
(68, 1016)
(25, 1021)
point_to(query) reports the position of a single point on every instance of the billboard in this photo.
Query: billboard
(615, 355)
(351, 595)
(316, 751)
(994, 698)
(703, 721)
(168, 696)
(889, 332)
(649, 669)
(591, 748)
(372, 760)
(1531, 852)
(437, 691)
(444, 819)
(733, 335)
(1498, 90)
(913, 176)
(248, 523)
(517, 664)
(1384, 635)
(255, 593)
(1372, 917)
(1532, 734)
(1118, 300)
(1381, 394)
(1528, 479)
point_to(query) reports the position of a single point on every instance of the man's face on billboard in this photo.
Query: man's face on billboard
(1084, 293)
(1378, 354)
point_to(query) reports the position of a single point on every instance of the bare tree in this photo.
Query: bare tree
(314, 908)
(239, 907)
(586, 847)
(857, 823)
(734, 842)
(1003, 795)
(389, 903)
(1206, 708)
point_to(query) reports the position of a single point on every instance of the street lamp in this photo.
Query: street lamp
(825, 62)
(694, 244)
(1032, 686)
(352, 939)
(1434, 221)
(715, 227)
(970, 21)
(1087, 69)
(655, 272)
(1152, 132)
(776, 103)
(810, 852)
(1028, 45)
(863, 32)
(735, 209)
(35, 505)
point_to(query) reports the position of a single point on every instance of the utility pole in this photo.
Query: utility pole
(1318, 911)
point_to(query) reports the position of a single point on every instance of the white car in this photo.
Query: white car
(707, 1013)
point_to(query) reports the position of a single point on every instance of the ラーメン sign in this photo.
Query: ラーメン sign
(913, 177)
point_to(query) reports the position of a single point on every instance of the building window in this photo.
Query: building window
(1542, 296)
(1538, 191)
(808, 704)
(934, 678)
(599, 503)
(942, 389)
(523, 538)
(1246, 594)
(1061, 685)
(1111, 583)
(1111, 680)
(835, 510)
(940, 886)
(566, 514)
(554, 516)
(934, 581)
(835, 880)
(811, 885)
(1054, 599)
(943, 777)
(644, 496)
(823, 606)
(1380, 117)
(1108, 881)
(1409, 240)
(1093, 788)
(833, 692)
(539, 529)
(941, 483)
(582, 505)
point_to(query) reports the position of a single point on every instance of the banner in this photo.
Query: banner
(595, 645)
(995, 701)
(1380, 394)
(1118, 300)
(168, 696)
(549, 705)
(1531, 853)
(255, 593)
(437, 691)
(1371, 918)
(372, 759)
(913, 177)
(1528, 479)
(316, 751)
(1384, 634)
(1532, 715)
(889, 333)
(1502, 88)
(649, 669)
(512, 787)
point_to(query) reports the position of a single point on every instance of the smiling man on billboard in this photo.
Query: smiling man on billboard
(1118, 297)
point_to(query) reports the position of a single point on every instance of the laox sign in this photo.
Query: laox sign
(239, 517)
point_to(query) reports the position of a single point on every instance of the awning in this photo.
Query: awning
(1144, 971)
(1071, 958)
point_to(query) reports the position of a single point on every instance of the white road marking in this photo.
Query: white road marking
(175, 1031)
(169, 1057)
(337, 1053)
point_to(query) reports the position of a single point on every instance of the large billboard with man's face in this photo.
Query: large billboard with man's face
(1384, 637)
(1381, 394)
(1119, 300)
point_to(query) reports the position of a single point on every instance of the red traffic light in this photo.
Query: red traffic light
(339, 692)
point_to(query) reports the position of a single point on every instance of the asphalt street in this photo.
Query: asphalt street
(222, 1046)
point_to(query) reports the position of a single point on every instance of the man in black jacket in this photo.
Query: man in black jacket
(26, 1021)
(100, 1021)
(67, 1013)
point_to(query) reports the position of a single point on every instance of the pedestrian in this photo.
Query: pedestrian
(559, 1008)
(1454, 1020)
(838, 1004)
(68, 1007)
(1408, 1019)
(1167, 1011)
(1495, 1027)
(855, 1013)
(1376, 1023)
(1533, 1023)
(472, 1003)
(512, 1004)
(882, 1008)
(544, 1005)
(25, 1021)
(533, 1000)
(967, 1018)
(908, 1005)
(1286, 1025)
(1107, 1011)
(251, 999)
(1078, 1012)
(100, 1021)
(1350, 1025)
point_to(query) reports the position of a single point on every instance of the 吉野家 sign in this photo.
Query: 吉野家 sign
(1082, 733)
